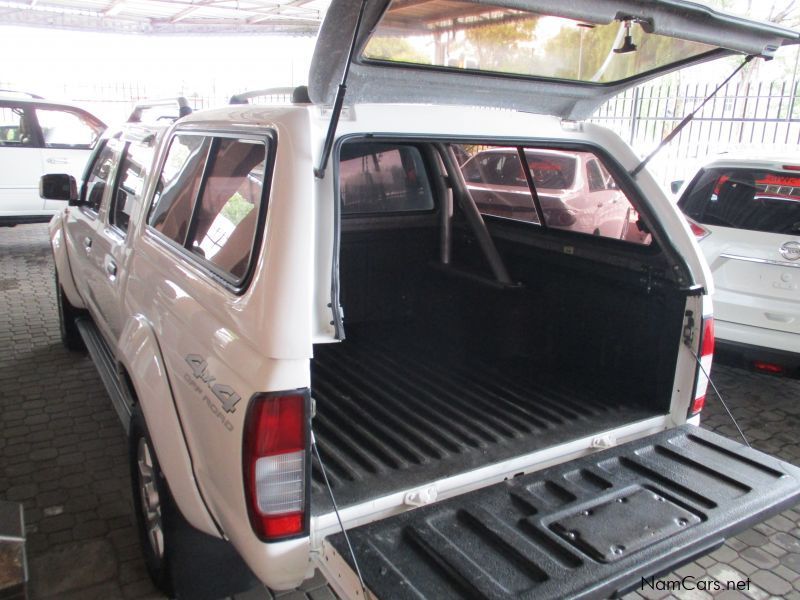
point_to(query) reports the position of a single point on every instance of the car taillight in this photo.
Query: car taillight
(275, 464)
(698, 231)
(706, 356)
(768, 367)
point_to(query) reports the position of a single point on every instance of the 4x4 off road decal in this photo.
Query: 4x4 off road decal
(224, 393)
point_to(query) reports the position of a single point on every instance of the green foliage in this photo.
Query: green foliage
(394, 49)
(236, 208)
(504, 47)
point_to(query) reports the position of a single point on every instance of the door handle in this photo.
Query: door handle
(57, 161)
(87, 243)
(111, 268)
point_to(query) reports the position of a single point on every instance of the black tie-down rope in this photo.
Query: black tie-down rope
(338, 516)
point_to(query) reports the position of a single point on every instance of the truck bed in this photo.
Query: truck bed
(394, 413)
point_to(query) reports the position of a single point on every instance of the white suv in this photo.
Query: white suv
(39, 137)
(308, 325)
(745, 213)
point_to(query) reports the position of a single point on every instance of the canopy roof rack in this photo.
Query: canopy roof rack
(22, 93)
(181, 102)
(297, 95)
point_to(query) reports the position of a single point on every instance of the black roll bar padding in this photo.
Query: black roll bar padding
(473, 215)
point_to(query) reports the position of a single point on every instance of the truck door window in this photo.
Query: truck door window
(383, 178)
(99, 179)
(178, 185)
(130, 183)
(575, 191)
(224, 228)
(66, 129)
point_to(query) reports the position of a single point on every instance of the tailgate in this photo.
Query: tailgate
(587, 528)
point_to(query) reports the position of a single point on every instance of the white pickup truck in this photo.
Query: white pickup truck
(490, 403)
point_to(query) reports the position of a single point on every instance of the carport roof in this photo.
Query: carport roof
(292, 17)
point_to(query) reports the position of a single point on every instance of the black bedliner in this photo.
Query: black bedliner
(393, 414)
(585, 529)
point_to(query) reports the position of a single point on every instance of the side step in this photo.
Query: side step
(103, 359)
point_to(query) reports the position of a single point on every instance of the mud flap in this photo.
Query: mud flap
(590, 528)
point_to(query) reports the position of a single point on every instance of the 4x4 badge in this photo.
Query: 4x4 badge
(224, 393)
(790, 250)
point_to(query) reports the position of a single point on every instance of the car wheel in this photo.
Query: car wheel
(70, 336)
(152, 503)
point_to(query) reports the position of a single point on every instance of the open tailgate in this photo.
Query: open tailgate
(542, 56)
(585, 529)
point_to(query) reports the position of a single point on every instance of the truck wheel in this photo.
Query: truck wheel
(151, 502)
(70, 336)
(183, 562)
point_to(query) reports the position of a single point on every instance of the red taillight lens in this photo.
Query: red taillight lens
(706, 357)
(275, 465)
(707, 344)
(698, 231)
(766, 367)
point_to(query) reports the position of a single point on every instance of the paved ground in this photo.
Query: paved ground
(63, 454)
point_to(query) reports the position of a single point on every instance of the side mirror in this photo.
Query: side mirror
(675, 186)
(59, 187)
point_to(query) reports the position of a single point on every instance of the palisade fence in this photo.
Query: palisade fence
(113, 101)
(749, 117)
(756, 118)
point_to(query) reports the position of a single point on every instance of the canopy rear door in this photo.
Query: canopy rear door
(584, 529)
(543, 56)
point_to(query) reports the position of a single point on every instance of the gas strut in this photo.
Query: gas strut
(671, 135)
(319, 172)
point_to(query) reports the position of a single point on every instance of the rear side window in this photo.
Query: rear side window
(211, 200)
(574, 190)
(224, 228)
(745, 199)
(383, 178)
(178, 186)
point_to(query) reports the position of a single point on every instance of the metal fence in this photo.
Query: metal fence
(753, 118)
(113, 101)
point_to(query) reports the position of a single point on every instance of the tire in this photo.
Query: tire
(152, 504)
(183, 562)
(70, 336)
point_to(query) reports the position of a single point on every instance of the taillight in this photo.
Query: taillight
(275, 464)
(767, 367)
(706, 356)
(698, 231)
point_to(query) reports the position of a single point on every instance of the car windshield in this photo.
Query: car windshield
(462, 35)
(745, 199)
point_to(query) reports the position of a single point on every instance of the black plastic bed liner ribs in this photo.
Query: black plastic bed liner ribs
(585, 529)
(391, 417)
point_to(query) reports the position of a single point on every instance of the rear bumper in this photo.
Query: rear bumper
(744, 344)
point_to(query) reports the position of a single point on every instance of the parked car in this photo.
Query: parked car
(39, 137)
(745, 213)
(575, 190)
(489, 407)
